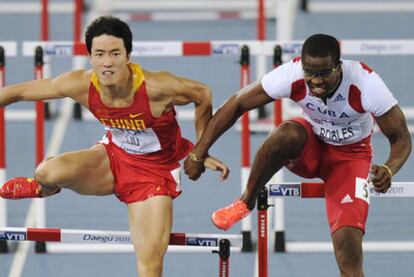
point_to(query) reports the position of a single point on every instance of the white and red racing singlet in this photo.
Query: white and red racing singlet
(135, 130)
(347, 117)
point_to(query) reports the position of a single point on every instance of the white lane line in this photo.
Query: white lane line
(23, 247)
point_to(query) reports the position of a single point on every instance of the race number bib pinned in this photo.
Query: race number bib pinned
(361, 189)
(176, 174)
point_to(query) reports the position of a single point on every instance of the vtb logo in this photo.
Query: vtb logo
(13, 236)
(292, 190)
(195, 241)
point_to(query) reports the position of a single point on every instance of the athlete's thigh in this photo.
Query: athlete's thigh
(307, 164)
(85, 171)
(150, 223)
(346, 193)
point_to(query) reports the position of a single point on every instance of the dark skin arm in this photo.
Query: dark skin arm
(394, 126)
(248, 98)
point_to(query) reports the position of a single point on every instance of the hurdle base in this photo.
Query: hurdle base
(77, 111)
(4, 248)
(40, 247)
(280, 243)
(247, 241)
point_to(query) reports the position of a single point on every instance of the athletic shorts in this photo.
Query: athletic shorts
(344, 170)
(135, 182)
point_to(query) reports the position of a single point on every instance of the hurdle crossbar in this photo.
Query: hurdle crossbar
(28, 7)
(110, 237)
(316, 190)
(360, 6)
(9, 47)
(166, 5)
(226, 47)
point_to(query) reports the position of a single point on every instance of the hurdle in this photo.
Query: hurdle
(356, 6)
(32, 7)
(186, 10)
(220, 244)
(3, 207)
(316, 190)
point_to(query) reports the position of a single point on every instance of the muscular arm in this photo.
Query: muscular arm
(393, 125)
(189, 91)
(250, 97)
(71, 84)
(168, 90)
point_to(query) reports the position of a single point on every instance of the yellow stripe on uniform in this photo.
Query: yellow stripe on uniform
(137, 75)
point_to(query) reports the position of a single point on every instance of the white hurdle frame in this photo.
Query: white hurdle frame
(295, 190)
(34, 7)
(360, 6)
(363, 188)
(99, 241)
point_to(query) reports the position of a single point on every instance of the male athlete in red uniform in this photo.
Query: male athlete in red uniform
(340, 100)
(137, 160)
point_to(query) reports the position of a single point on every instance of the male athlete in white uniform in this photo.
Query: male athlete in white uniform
(340, 102)
(345, 116)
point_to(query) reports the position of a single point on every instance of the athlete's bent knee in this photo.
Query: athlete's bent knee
(289, 136)
(293, 132)
(43, 173)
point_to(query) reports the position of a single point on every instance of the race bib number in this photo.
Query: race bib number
(361, 189)
(136, 141)
(176, 174)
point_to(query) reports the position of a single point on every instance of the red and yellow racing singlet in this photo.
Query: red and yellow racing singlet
(135, 130)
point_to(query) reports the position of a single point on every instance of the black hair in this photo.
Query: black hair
(112, 26)
(321, 45)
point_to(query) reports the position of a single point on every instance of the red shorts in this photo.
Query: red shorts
(136, 182)
(344, 170)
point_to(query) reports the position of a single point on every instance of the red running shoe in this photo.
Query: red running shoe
(20, 187)
(228, 216)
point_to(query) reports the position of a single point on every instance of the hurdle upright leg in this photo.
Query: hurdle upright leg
(262, 249)
(224, 254)
(3, 206)
(245, 142)
(279, 213)
(40, 247)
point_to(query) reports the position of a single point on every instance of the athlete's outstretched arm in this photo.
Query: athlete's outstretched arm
(394, 126)
(67, 84)
(250, 97)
